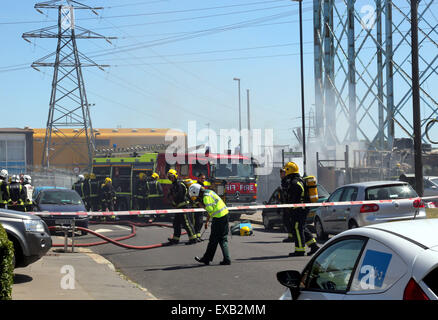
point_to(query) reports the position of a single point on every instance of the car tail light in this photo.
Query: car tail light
(414, 292)
(369, 208)
(419, 204)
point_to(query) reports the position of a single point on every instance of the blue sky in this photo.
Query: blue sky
(175, 75)
(170, 84)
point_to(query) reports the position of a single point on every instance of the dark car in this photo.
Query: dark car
(37, 190)
(274, 217)
(61, 200)
(29, 235)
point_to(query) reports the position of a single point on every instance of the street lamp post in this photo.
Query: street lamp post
(416, 100)
(302, 86)
(249, 124)
(240, 117)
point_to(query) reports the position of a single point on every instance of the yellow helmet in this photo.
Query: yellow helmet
(108, 180)
(188, 182)
(92, 176)
(290, 168)
(245, 231)
(142, 175)
(86, 176)
(173, 172)
(155, 175)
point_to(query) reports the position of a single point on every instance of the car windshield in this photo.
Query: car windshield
(240, 170)
(60, 197)
(434, 181)
(322, 192)
(198, 169)
(388, 192)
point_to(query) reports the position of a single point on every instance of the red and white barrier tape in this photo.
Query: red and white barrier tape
(254, 207)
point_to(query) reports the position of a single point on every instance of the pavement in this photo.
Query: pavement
(82, 275)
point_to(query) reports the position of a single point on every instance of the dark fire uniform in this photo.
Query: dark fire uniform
(179, 196)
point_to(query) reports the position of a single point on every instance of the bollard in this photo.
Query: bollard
(73, 236)
(65, 238)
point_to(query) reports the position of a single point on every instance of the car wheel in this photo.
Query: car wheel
(266, 223)
(320, 233)
(18, 253)
(352, 224)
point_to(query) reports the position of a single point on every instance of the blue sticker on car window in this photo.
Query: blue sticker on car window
(373, 270)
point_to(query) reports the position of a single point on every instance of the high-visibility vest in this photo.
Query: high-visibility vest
(29, 192)
(214, 204)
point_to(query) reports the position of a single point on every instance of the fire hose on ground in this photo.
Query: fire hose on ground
(117, 240)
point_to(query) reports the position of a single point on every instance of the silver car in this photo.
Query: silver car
(335, 219)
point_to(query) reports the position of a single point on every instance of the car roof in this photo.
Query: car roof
(57, 189)
(421, 232)
(412, 175)
(375, 183)
(50, 188)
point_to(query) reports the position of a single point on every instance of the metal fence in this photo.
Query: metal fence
(47, 177)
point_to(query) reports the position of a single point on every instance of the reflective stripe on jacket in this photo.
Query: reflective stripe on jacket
(214, 205)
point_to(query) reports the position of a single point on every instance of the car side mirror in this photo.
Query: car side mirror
(290, 279)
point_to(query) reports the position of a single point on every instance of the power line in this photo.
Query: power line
(168, 12)
(191, 36)
(198, 9)
(184, 85)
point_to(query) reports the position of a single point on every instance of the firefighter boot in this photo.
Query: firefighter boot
(313, 248)
(191, 241)
(172, 241)
(296, 254)
(202, 260)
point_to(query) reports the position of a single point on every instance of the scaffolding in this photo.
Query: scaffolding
(362, 69)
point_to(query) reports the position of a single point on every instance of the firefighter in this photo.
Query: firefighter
(94, 193)
(286, 214)
(155, 195)
(4, 194)
(107, 195)
(179, 199)
(78, 186)
(295, 193)
(199, 216)
(17, 195)
(141, 192)
(218, 213)
(27, 184)
(87, 191)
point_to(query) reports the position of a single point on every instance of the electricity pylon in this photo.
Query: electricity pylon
(69, 106)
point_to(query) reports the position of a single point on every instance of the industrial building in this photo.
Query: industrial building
(21, 149)
(16, 149)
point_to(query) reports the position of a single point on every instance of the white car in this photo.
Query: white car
(335, 219)
(387, 261)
